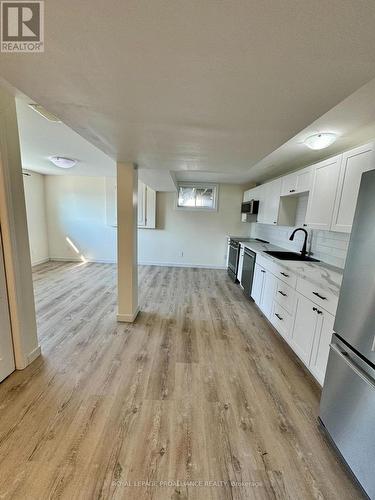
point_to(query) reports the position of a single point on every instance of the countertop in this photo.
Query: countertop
(320, 274)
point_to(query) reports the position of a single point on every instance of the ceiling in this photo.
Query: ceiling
(204, 87)
(353, 120)
(40, 138)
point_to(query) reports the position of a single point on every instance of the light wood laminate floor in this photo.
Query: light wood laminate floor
(200, 388)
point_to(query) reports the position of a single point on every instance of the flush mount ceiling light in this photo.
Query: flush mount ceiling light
(43, 112)
(62, 162)
(320, 141)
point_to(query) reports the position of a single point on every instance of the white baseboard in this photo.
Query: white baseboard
(34, 354)
(179, 264)
(40, 261)
(143, 263)
(94, 261)
(128, 318)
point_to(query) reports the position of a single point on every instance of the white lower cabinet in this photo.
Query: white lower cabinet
(303, 323)
(286, 297)
(258, 281)
(268, 294)
(302, 337)
(311, 336)
(320, 351)
(281, 320)
(264, 289)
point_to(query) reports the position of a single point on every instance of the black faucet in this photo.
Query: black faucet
(304, 250)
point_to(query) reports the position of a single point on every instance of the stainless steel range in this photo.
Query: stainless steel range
(234, 255)
(347, 408)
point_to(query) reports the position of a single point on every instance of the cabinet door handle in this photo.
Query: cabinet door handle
(262, 271)
(320, 296)
(284, 274)
(317, 310)
(292, 190)
(278, 316)
(282, 293)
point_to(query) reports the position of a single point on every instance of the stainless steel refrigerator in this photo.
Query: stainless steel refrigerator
(347, 408)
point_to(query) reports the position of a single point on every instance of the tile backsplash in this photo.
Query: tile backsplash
(327, 246)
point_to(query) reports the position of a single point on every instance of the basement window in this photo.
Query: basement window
(197, 196)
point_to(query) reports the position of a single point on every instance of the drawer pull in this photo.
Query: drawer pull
(317, 310)
(262, 271)
(282, 293)
(292, 190)
(320, 296)
(278, 316)
(284, 274)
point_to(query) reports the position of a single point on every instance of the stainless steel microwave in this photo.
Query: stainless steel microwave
(250, 207)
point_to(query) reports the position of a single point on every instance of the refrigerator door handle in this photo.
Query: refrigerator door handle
(358, 370)
(373, 345)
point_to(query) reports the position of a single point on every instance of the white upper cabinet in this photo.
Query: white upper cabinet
(141, 204)
(270, 202)
(146, 204)
(247, 195)
(333, 187)
(273, 209)
(354, 164)
(297, 182)
(252, 194)
(111, 201)
(323, 193)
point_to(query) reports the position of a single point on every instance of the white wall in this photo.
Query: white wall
(192, 238)
(34, 186)
(76, 208)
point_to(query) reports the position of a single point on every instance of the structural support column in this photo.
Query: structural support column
(127, 259)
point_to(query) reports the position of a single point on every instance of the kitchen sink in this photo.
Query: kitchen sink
(290, 256)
